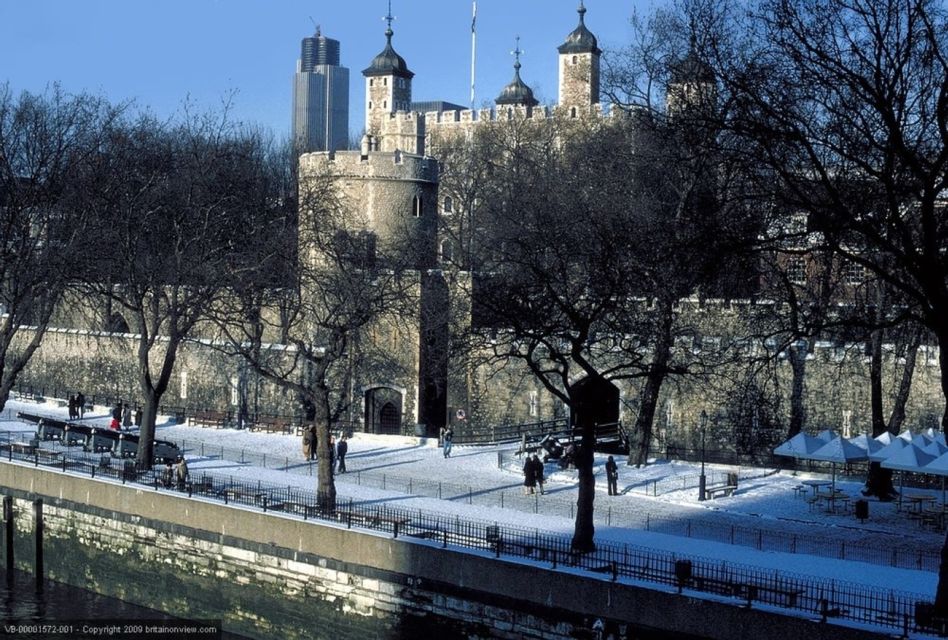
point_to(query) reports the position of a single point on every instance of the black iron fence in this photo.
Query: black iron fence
(886, 608)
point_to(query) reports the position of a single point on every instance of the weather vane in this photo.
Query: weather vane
(516, 52)
(389, 17)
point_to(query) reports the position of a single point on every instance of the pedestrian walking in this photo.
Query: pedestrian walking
(308, 444)
(612, 476)
(529, 476)
(73, 412)
(448, 441)
(332, 453)
(538, 471)
(341, 450)
(127, 415)
(138, 416)
(167, 476)
(181, 473)
(81, 405)
(116, 423)
(313, 441)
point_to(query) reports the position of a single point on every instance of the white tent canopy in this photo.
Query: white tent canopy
(867, 444)
(889, 450)
(840, 450)
(799, 446)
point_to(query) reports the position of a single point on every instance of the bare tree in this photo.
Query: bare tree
(174, 206)
(845, 103)
(339, 292)
(46, 142)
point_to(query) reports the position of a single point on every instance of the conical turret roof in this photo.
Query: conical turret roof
(517, 92)
(581, 39)
(388, 63)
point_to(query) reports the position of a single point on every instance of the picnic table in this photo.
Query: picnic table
(816, 484)
(918, 502)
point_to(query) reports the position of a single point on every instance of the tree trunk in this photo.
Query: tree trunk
(585, 528)
(941, 592)
(658, 369)
(797, 357)
(146, 433)
(326, 487)
(878, 480)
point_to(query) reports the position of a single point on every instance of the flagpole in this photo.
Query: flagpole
(473, 46)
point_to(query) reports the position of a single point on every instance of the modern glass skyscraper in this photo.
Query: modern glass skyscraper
(320, 97)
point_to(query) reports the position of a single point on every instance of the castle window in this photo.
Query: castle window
(446, 251)
(575, 59)
(448, 204)
(370, 104)
(416, 206)
(384, 82)
(855, 274)
(572, 112)
(385, 104)
(796, 270)
(371, 82)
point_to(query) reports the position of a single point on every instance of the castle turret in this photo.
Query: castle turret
(691, 83)
(387, 84)
(517, 93)
(579, 66)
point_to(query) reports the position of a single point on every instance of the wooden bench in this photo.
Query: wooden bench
(208, 418)
(710, 493)
(272, 424)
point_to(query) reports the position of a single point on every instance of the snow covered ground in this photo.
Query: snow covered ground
(413, 473)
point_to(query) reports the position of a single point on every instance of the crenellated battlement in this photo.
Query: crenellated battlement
(382, 165)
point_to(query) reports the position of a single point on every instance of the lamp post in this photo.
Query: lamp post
(702, 480)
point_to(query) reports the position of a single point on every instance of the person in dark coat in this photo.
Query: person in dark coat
(612, 476)
(448, 441)
(127, 415)
(529, 477)
(81, 405)
(332, 453)
(341, 450)
(181, 473)
(538, 471)
(72, 408)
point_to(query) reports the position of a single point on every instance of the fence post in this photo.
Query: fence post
(8, 533)
(38, 531)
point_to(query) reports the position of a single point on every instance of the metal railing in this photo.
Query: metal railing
(762, 539)
(748, 585)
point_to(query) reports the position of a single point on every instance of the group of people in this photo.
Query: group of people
(122, 416)
(533, 475)
(337, 450)
(176, 475)
(77, 406)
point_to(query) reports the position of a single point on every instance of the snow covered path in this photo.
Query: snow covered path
(471, 484)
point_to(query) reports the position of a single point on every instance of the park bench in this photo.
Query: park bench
(710, 493)
(210, 418)
(272, 424)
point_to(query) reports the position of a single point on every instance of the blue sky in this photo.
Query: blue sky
(158, 53)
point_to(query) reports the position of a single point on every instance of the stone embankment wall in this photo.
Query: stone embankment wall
(268, 576)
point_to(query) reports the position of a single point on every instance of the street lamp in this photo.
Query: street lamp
(702, 480)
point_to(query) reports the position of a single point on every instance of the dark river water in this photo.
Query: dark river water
(61, 611)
